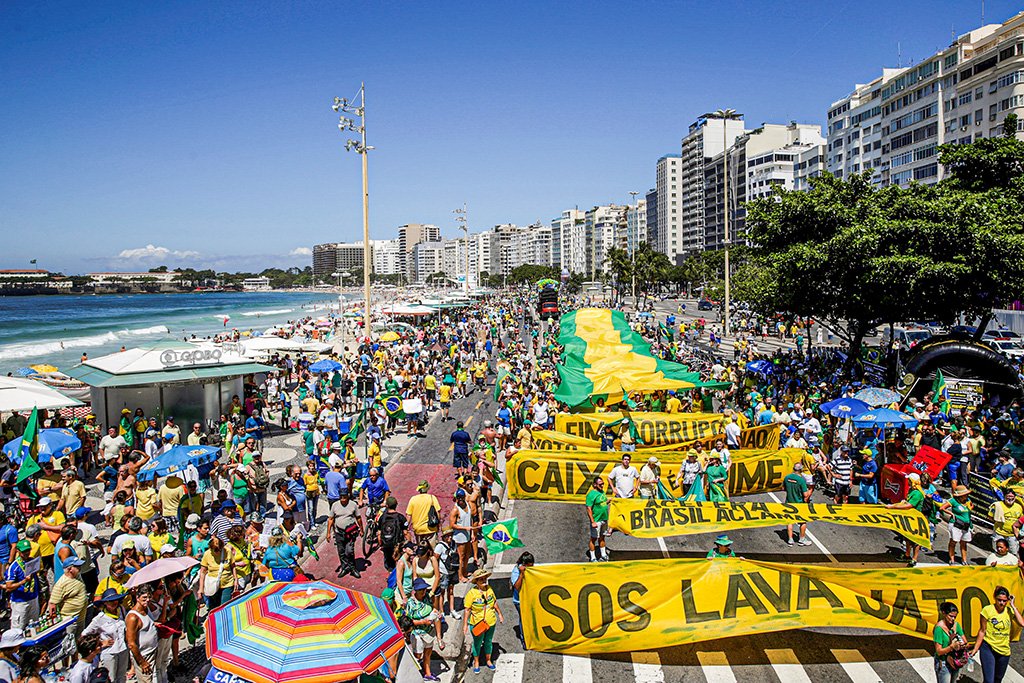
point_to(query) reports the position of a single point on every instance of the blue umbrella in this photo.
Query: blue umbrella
(25, 372)
(177, 459)
(762, 367)
(326, 365)
(875, 396)
(845, 407)
(884, 418)
(53, 443)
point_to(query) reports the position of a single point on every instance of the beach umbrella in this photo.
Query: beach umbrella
(165, 566)
(315, 632)
(44, 368)
(53, 443)
(875, 396)
(177, 458)
(25, 372)
(884, 418)
(325, 365)
(390, 336)
(845, 407)
(762, 367)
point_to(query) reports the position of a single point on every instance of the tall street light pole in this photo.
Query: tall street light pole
(636, 243)
(725, 115)
(462, 218)
(343, 105)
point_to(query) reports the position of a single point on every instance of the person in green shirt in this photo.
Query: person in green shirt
(960, 524)
(718, 480)
(948, 637)
(722, 549)
(915, 500)
(993, 641)
(797, 493)
(597, 511)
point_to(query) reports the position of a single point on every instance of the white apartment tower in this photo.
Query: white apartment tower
(636, 225)
(705, 139)
(568, 241)
(670, 215)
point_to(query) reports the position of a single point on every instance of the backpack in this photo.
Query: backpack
(433, 521)
(928, 507)
(450, 559)
(390, 528)
(260, 477)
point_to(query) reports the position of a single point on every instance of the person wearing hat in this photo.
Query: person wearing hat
(50, 520)
(482, 616)
(722, 549)
(650, 474)
(282, 555)
(867, 478)
(718, 479)
(417, 510)
(109, 625)
(10, 644)
(960, 523)
(689, 473)
(69, 596)
(797, 493)
(23, 588)
(426, 631)
(597, 511)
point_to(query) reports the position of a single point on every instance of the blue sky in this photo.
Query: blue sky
(195, 133)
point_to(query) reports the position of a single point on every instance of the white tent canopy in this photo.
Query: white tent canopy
(404, 309)
(267, 343)
(17, 393)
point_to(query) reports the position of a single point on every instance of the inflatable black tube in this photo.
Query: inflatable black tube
(962, 358)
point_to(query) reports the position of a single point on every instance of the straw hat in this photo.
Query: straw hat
(960, 491)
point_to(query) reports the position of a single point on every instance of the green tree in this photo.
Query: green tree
(530, 273)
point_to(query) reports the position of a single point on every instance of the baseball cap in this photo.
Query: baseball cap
(72, 561)
(168, 548)
(192, 522)
(44, 501)
(419, 585)
(24, 544)
(82, 512)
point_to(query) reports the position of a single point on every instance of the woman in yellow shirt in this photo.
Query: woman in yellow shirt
(482, 617)
(994, 634)
(219, 564)
(146, 499)
(158, 535)
(311, 480)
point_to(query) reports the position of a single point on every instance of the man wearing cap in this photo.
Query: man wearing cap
(461, 441)
(23, 588)
(50, 520)
(650, 474)
(722, 549)
(426, 626)
(418, 511)
(797, 493)
(110, 627)
(344, 526)
(69, 597)
(867, 478)
(254, 426)
(50, 482)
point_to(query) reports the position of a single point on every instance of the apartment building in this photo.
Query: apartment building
(569, 248)
(427, 258)
(668, 206)
(605, 228)
(636, 225)
(651, 202)
(409, 235)
(706, 138)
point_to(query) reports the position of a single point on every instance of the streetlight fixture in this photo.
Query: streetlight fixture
(636, 243)
(344, 106)
(725, 115)
(462, 218)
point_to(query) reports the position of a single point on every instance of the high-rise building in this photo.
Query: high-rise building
(570, 229)
(604, 225)
(651, 201)
(386, 257)
(964, 92)
(409, 235)
(668, 206)
(810, 163)
(427, 258)
(636, 225)
(334, 257)
(706, 138)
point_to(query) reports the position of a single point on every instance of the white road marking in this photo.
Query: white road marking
(813, 539)
(508, 668)
(716, 668)
(856, 667)
(647, 668)
(664, 548)
(922, 662)
(787, 667)
(1012, 676)
(576, 669)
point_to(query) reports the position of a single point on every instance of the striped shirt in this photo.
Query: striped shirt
(842, 465)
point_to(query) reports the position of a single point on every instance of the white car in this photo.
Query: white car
(1008, 347)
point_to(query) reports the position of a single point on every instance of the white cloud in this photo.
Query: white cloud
(154, 253)
(301, 251)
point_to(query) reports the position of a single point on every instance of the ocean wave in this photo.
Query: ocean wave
(36, 349)
(276, 311)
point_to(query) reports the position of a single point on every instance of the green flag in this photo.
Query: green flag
(502, 535)
(941, 393)
(497, 477)
(29, 448)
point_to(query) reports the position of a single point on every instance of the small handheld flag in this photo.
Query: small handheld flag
(29, 448)
(393, 406)
(502, 535)
(941, 392)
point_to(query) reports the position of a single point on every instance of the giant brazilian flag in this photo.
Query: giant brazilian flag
(604, 358)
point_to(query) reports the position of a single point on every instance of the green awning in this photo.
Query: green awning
(95, 377)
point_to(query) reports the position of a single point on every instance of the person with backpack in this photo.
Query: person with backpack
(448, 563)
(917, 500)
(394, 531)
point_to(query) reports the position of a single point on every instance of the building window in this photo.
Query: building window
(929, 171)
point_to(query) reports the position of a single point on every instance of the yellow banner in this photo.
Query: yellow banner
(567, 476)
(655, 429)
(651, 604)
(763, 437)
(653, 518)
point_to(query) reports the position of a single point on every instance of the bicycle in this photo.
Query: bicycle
(371, 530)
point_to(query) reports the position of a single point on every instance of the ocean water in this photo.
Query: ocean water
(58, 329)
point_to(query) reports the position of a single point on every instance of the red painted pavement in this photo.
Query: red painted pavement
(403, 478)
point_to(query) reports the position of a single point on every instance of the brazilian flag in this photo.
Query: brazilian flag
(393, 406)
(941, 392)
(502, 535)
(29, 448)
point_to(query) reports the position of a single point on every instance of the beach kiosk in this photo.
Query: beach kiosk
(193, 383)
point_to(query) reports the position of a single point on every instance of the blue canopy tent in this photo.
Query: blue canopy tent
(177, 459)
(53, 443)
(325, 365)
(884, 418)
(845, 407)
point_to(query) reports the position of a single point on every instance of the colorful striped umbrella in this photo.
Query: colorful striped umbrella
(314, 632)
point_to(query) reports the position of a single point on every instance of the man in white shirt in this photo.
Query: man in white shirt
(111, 444)
(624, 478)
(732, 433)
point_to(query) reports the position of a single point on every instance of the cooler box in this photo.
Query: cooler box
(894, 477)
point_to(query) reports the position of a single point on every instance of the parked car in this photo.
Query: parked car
(706, 305)
(1008, 347)
(908, 338)
(1000, 334)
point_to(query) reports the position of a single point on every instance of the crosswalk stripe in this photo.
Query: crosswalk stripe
(855, 666)
(787, 666)
(716, 667)
(576, 669)
(923, 663)
(1012, 676)
(508, 668)
(647, 668)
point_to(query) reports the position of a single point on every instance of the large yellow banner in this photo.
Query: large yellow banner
(653, 518)
(763, 437)
(649, 604)
(566, 476)
(655, 429)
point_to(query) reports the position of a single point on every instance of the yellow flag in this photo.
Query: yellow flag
(650, 604)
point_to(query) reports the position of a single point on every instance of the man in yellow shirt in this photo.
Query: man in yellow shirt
(430, 388)
(72, 496)
(50, 521)
(673, 404)
(444, 398)
(525, 435)
(418, 511)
